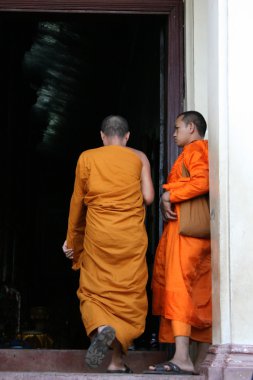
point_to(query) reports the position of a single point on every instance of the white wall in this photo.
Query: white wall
(219, 83)
(240, 87)
(219, 168)
(196, 55)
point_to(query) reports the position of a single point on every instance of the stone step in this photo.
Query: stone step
(91, 376)
(13, 375)
(28, 364)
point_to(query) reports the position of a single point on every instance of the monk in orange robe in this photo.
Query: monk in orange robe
(107, 241)
(181, 280)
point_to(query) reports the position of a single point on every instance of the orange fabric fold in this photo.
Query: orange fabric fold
(180, 328)
(167, 332)
(111, 249)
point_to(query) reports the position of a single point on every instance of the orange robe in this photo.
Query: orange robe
(182, 270)
(107, 231)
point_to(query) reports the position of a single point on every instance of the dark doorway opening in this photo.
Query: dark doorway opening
(61, 75)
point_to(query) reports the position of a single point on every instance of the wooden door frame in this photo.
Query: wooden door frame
(173, 9)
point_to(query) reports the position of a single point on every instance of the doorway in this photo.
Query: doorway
(61, 76)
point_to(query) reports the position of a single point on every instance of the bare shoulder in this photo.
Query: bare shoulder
(141, 155)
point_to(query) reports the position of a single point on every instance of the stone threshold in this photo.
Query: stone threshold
(89, 376)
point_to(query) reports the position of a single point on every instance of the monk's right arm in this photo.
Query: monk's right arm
(147, 187)
(77, 216)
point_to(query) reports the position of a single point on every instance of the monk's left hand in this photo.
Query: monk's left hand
(167, 208)
(69, 252)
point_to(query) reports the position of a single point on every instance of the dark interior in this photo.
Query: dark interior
(60, 76)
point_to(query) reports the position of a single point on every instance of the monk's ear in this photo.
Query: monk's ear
(127, 135)
(102, 135)
(192, 127)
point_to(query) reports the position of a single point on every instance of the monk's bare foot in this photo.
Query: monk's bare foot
(124, 369)
(117, 362)
(113, 367)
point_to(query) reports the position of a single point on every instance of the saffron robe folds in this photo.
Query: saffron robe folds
(106, 229)
(182, 270)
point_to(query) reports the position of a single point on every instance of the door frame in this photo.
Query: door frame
(174, 62)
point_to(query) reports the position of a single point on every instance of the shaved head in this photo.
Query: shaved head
(114, 125)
